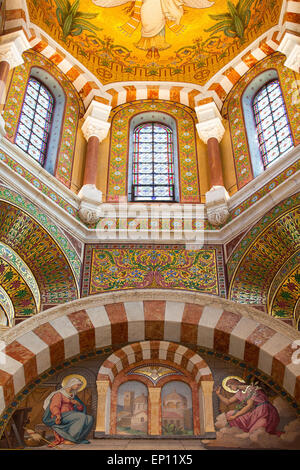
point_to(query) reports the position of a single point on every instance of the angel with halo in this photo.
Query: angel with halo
(154, 16)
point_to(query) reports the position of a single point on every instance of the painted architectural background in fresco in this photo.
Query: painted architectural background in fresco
(132, 408)
(177, 412)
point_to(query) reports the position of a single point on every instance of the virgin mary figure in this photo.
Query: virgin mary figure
(66, 414)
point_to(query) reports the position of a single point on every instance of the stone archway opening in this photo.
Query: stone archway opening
(155, 364)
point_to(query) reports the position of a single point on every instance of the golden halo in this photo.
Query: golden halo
(225, 386)
(75, 376)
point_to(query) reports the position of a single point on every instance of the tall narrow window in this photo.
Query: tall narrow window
(35, 120)
(273, 130)
(153, 163)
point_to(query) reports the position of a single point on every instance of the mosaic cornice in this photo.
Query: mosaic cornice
(57, 197)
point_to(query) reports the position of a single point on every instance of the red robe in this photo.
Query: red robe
(262, 415)
(60, 404)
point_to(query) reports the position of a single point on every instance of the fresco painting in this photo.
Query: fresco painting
(132, 409)
(177, 412)
(247, 412)
(121, 40)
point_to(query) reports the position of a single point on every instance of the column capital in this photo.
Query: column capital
(207, 386)
(12, 46)
(216, 202)
(95, 121)
(290, 47)
(90, 204)
(210, 122)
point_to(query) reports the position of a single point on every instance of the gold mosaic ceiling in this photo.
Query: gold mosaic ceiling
(34, 272)
(268, 273)
(163, 40)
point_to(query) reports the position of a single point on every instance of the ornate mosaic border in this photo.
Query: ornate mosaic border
(7, 305)
(187, 148)
(17, 290)
(113, 267)
(286, 298)
(267, 188)
(283, 272)
(73, 110)
(9, 255)
(42, 187)
(232, 109)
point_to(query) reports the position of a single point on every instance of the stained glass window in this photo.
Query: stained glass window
(272, 125)
(35, 120)
(153, 165)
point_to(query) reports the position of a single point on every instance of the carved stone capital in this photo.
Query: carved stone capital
(94, 128)
(90, 204)
(217, 205)
(212, 128)
(12, 46)
(210, 122)
(290, 46)
(95, 121)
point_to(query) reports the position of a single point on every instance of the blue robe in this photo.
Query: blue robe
(74, 426)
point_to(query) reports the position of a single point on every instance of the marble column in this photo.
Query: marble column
(155, 411)
(211, 130)
(95, 129)
(4, 71)
(290, 47)
(215, 164)
(207, 389)
(12, 46)
(102, 419)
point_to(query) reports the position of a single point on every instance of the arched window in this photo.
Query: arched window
(35, 120)
(153, 173)
(266, 120)
(272, 126)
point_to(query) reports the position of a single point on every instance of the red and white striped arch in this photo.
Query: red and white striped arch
(189, 94)
(118, 319)
(155, 350)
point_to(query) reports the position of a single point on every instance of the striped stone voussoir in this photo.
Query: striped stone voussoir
(150, 315)
(155, 350)
(121, 93)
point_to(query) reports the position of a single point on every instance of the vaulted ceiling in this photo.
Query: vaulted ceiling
(34, 273)
(126, 41)
(267, 273)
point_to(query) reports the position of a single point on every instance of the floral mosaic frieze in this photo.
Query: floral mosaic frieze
(116, 267)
